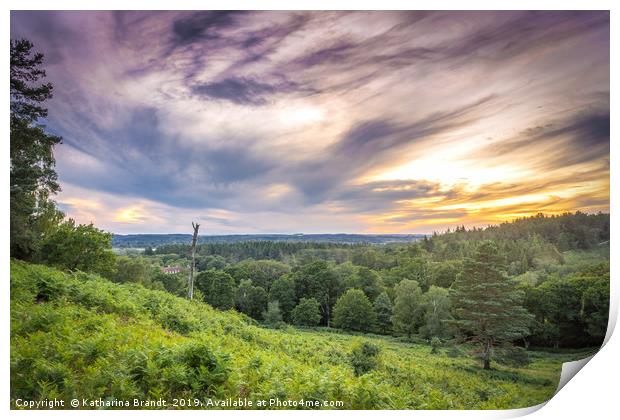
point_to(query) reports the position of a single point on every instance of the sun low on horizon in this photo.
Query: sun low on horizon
(325, 122)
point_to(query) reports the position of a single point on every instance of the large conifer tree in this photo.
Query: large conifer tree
(488, 306)
(33, 178)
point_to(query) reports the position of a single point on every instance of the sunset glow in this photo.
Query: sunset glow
(325, 121)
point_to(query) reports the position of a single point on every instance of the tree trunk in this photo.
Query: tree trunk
(192, 267)
(486, 356)
(526, 343)
(327, 312)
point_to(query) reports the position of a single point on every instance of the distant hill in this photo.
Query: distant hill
(154, 240)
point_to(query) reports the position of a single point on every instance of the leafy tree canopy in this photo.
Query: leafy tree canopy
(306, 312)
(78, 247)
(353, 311)
(217, 287)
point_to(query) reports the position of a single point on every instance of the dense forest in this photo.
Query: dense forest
(359, 321)
(558, 265)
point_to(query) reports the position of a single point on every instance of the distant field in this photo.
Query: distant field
(80, 336)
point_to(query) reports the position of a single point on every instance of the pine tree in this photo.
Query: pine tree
(525, 265)
(487, 303)
(33, 177)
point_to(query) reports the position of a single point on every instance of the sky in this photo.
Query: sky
(318, 122)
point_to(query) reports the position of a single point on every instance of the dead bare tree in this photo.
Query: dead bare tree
(192, 267)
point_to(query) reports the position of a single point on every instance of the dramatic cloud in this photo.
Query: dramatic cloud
(325, 121)
(238, 91)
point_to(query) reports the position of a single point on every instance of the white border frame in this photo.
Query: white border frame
(592, 394)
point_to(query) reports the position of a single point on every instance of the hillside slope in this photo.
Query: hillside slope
(80, 336)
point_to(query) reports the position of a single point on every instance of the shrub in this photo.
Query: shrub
(435, 344)
(364, 357)
(454, 352)
(513, 356)
(207, 369)
(175, 321)
(49, 287)
(78, 247)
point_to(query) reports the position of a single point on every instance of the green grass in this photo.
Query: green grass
(80, 336)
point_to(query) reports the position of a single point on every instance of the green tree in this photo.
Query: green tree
(596, 307)
(273, 315)
(306, 312)
(411, 269)
(346, 271)
(353, 311)
(428, 244)
(368, 257)
(436, 306)
(262, 272)
(407, 307)
(571, 310)
(367, 280)
(444, 273)
(488, 305)
(217, 287)
(173, 283)
(32, 176)
(318, 280)
(78, 247)
(383, 309)
(524, 264)
(207, 262)
(131, 270)
(283, 291)
(250, 299)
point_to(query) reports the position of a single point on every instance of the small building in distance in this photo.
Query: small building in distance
(171, 270)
